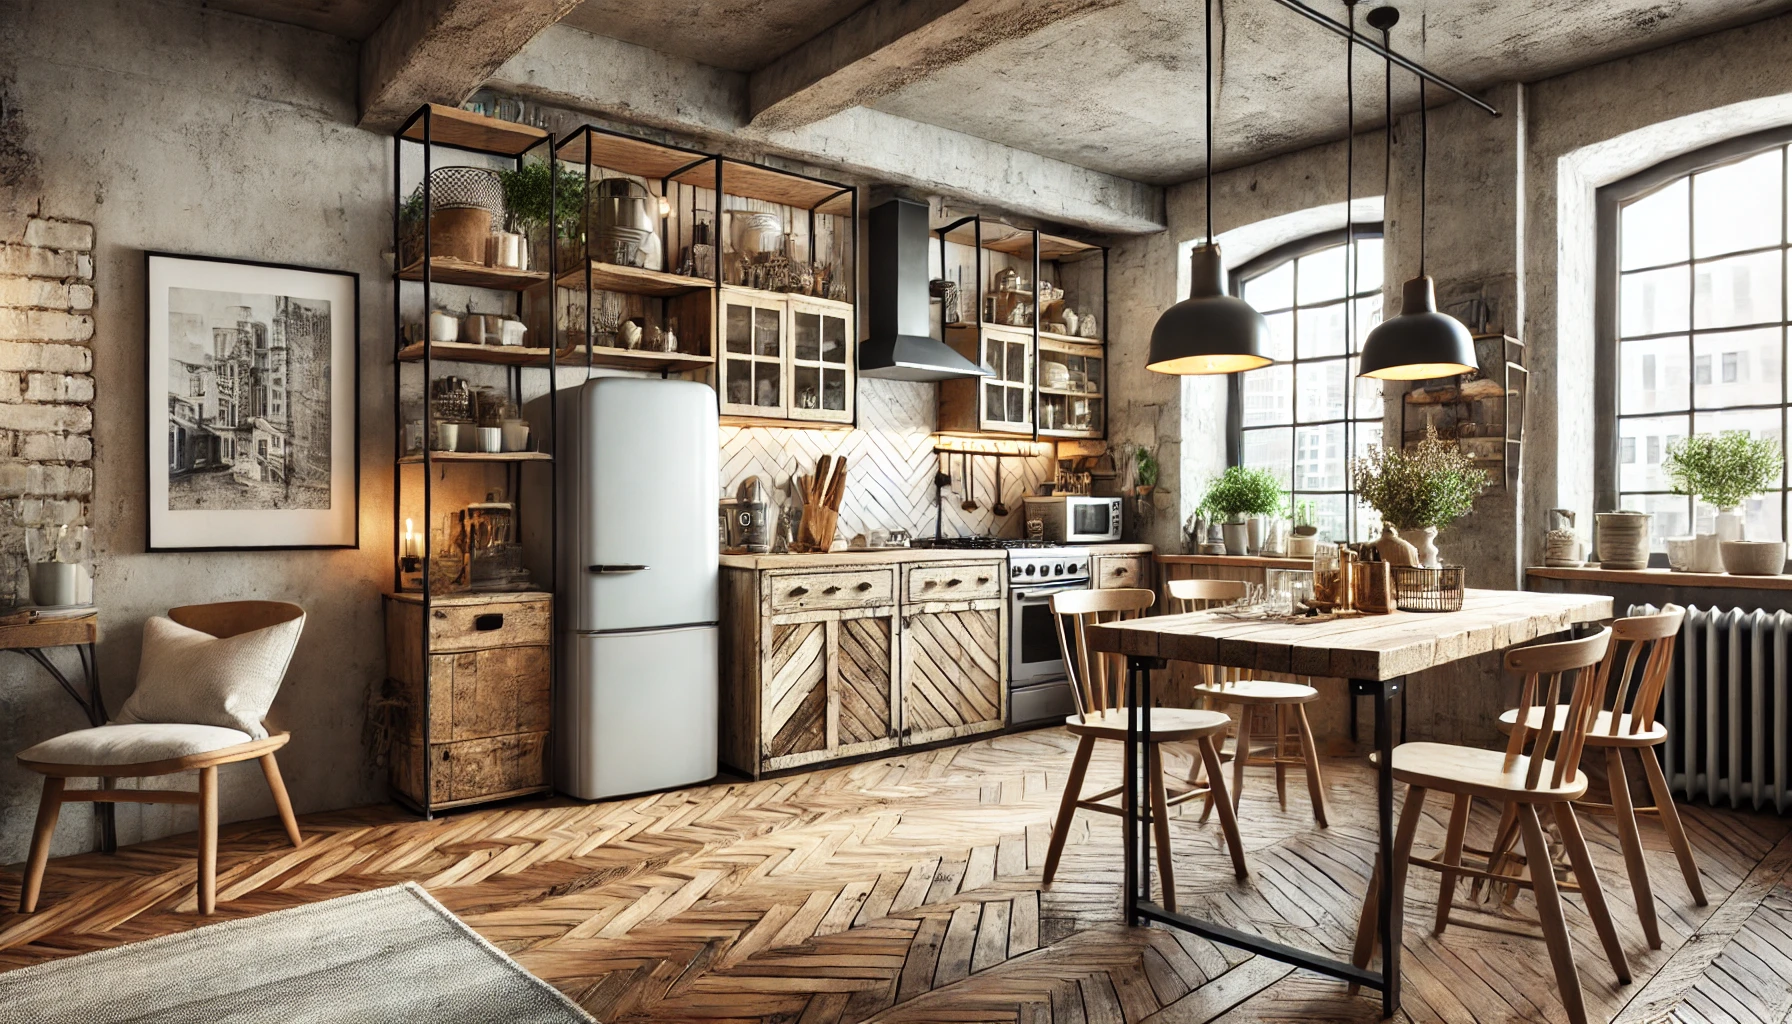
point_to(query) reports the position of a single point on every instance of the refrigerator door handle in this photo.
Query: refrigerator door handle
(618, 568)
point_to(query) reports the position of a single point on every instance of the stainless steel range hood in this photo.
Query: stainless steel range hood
(899, 347)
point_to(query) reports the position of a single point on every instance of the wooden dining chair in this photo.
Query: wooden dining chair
(1644, 646)
(1527, 784)
(144, 750)
(1283, 702)
(1097, 683)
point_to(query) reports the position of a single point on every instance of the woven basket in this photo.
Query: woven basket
(1417, 589)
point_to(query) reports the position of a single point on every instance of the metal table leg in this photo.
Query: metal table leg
(1383, 693)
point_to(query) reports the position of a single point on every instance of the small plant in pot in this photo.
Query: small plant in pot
(1145, 471)
(1419, 492)
(1238, 498)
(1724, 470)
(533, 195)
(1304, 538)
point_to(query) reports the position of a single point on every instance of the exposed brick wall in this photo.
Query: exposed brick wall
(46, 390)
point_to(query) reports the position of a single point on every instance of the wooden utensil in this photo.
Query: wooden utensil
(822, 495)
(999, 508)
(970, 486)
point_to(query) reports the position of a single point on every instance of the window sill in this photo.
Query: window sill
(1240, 561)
(1664, 577)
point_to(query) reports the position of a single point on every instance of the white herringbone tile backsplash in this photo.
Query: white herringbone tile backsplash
(890, 466)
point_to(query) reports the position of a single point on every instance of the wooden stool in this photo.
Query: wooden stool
(1648, 640)
(1524, 783)
(1286, 702)
(1095, 679)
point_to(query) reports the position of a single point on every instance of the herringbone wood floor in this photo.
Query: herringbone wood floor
(909, 889)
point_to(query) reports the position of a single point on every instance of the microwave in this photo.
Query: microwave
(1076, 518)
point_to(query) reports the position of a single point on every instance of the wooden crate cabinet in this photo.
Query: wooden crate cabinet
(1116, 571)
(822, 665)
(489, 676)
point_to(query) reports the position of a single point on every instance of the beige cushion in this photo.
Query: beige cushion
(190, 677)
(132, 744)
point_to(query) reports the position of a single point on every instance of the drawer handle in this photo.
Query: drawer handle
(953, 582)
(1120, 571)
(798, 591)
(488, 622)
(440, 614)
(835, 589)
(982, 580)
(864, 587)
(929, 583)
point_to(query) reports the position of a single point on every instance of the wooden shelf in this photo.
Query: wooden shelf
(466, 597)
(1068, 339)
(630, 155)
(1246, 561)
(1074, 433)
(1068, 393)
(773, 186)
(636, 359)
(773, 421)
(496, 355)
(761, 295)
(1662, 578)
(452, 126)
(447, 270)
(612, 277)
(414, 460)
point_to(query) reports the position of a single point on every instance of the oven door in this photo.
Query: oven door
(1033, 651)
(1091, 520)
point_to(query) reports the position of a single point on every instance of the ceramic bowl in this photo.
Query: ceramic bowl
(1754, 557)
(1680, 553)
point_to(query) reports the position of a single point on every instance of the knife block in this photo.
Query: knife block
(816, 534)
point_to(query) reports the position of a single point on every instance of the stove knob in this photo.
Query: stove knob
(1058, 570)
(1029, 570)
(1014, 570)
(1080, 567)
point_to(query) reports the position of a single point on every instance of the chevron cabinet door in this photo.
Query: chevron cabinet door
(864, 676)
(796, 692)
(952, 671)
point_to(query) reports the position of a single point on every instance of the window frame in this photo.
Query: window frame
(1609, 201)
(1260, 265)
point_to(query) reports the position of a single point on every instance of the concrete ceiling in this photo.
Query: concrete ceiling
(735, 35)
(350, 19)
(1120, 90)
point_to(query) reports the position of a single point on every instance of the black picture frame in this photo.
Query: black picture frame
(196, 427)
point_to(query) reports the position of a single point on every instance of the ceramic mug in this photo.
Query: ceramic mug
(447, 437)
(491, 439)
(516, 436)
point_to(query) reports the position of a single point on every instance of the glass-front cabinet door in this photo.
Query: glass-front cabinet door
(1072, 389)
(1007, 398)
(753, 355)
(821, 360)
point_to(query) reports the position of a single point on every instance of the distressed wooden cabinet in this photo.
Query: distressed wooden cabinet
(488, 679)
(786, 357)
(825, 664)
(1111, 571)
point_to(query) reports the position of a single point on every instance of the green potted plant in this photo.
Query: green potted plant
(1304, 536)
(533, 195)
(1145, 470)
(1724, 470)
(1239, 498)
(1419, 491)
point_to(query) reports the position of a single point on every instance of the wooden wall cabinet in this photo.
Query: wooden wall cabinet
(1116, 571)
(822, 665)
(787, 357)
(489, 676)
(1001, 404)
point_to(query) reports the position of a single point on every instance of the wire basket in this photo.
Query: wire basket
(1417, 589)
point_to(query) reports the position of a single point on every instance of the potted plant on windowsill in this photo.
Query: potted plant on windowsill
(1724, 470)
(1304, 538)
(1239, 498)
(1419, 491)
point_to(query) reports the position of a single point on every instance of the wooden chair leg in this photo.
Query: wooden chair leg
(271, 769)
(1367, 923)
(1549, 911)
(1591, 892)
(1228, 820)
(208, 839)
(1160, 826)
(1631, 841)
(1309, 750)
(1241, 755)
(1452, 855)
(1670, 820)
(1282, 755)
(1504, 837)
(1073, 790)
(49, 808)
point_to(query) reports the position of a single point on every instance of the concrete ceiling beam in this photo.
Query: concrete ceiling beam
(441, 51)
(621, 82)
(889, 44)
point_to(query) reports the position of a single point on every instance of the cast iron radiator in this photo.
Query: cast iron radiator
(1726, 708)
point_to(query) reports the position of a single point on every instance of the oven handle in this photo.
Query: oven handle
(1033, 596)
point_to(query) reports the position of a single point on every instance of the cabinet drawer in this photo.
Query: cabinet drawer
(846, 589)
(1121, 571)
(477, 627)
(969, 582)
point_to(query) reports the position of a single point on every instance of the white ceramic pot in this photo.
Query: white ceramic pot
(1730, 525)
(1425, 540)
(1706, 555)
(1754, 557)
(1238, 538)
(1681, 551)
(1302, 547)
(1622, 539)
(1254, 535)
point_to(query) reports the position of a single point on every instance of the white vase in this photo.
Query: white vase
(1425, 539)
(1254, 535)
(1707, 554)
(1302, 547)
(1730, 525)
(1237, 538)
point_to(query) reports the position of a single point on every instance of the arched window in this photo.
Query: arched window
(1307, 415)
(1692, 322)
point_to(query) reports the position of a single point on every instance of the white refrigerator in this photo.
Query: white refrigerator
(639, 635)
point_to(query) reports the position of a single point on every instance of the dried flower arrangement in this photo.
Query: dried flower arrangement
(1434, 484)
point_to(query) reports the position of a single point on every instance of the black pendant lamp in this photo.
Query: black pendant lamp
(1420, 343)
(1210, 331)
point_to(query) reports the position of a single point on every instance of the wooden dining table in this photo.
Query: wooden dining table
(1375, 655)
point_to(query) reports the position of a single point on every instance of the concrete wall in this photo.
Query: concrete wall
(171, 127)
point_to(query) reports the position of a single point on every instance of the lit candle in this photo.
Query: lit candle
(410, 540)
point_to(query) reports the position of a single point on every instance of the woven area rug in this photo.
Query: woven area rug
(384, 955)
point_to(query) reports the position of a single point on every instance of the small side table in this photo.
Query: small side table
(34, 640)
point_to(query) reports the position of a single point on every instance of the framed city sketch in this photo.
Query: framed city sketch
(253, 405)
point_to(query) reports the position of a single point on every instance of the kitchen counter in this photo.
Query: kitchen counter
(846, 557)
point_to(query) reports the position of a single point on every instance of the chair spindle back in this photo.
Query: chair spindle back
(1648, 640)
(1200, 596)
(1094, 681)
(1543, 667)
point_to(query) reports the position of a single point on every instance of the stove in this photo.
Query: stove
(979, 543)
(1047, 565)
(1038, 686)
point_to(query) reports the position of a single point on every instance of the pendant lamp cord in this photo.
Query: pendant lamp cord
(1207, 29)
(1349, 170)
(1387, 132)
(1424, 145)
